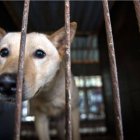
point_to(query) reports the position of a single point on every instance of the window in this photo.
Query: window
(90, 97)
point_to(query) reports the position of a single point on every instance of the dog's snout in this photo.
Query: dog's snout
(8, 84)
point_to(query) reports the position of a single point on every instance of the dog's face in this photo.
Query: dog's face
(43, 55)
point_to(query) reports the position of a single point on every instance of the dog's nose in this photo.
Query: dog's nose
(8, 84)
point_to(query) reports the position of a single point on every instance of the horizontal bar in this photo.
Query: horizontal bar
(113, 68)
(20, 70)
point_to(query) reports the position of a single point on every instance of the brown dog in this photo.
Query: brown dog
(44, 78)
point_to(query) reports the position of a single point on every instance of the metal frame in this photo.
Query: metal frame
(137, 9)
(116, 97)
(68, 72)
(113, 68)
(21, 71)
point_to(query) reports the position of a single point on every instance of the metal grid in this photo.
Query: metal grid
(116, 98)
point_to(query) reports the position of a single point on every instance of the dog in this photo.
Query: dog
(44, 78)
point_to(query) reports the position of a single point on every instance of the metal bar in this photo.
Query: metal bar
(137, 9)
(113, 68)
(20, 71)
(68, 72)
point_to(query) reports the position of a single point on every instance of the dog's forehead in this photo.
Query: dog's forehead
(39, 40)
(10, 39)
(33, 41)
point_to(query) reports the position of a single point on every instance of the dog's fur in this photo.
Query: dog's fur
(44, 78)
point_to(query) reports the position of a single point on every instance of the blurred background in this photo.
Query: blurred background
(90, 65)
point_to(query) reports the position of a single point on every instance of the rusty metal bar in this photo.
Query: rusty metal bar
(68, 72)
(113, 68)
(137, 9)
(20, 71)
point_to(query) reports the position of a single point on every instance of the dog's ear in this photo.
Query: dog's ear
(2, 32)
(59, 38)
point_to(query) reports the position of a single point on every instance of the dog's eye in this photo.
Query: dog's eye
(39, 54)
(4, 52)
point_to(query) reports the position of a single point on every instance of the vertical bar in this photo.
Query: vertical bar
(115, 85)
(137, 9)
(20, 70)
(68, 72)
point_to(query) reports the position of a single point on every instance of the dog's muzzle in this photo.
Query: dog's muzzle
(8, 84)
